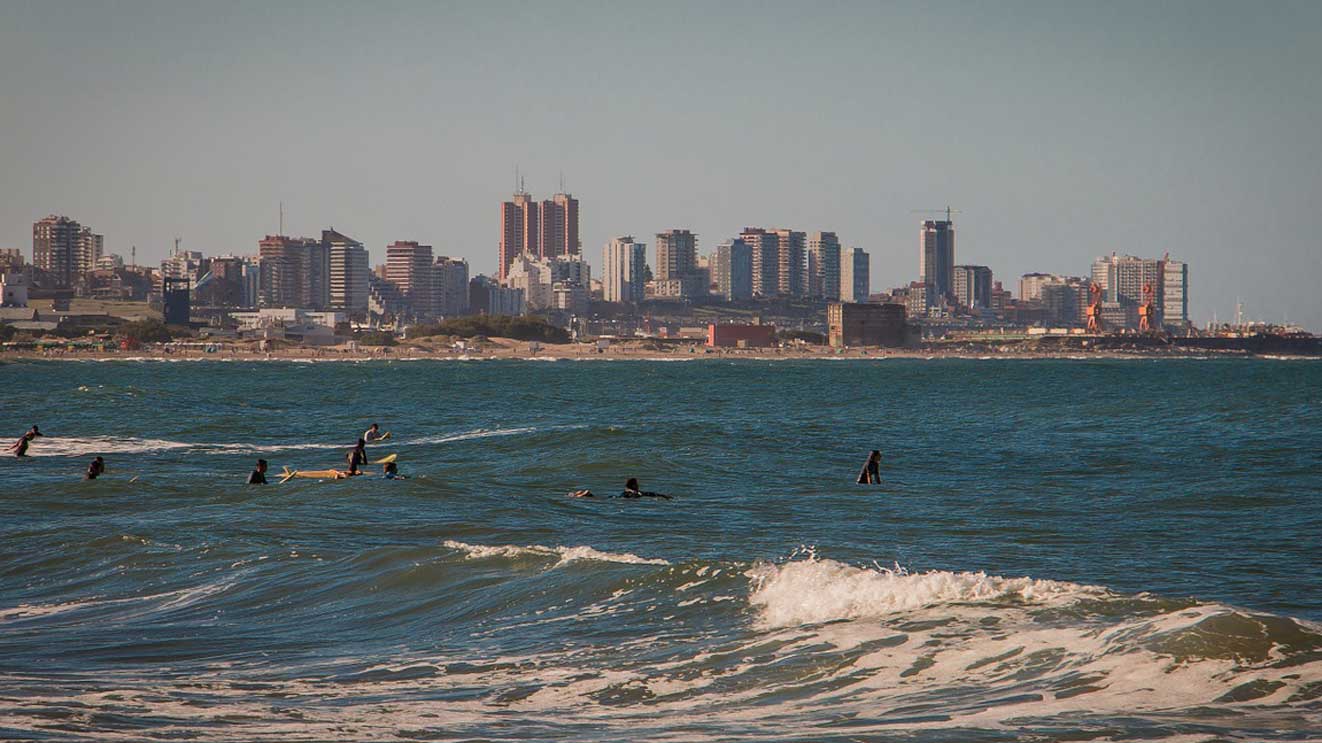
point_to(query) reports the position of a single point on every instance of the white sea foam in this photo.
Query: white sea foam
(480, 433)
(73, 446)
(563, 555)
(812, 591)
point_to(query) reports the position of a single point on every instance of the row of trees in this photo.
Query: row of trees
(500, 326)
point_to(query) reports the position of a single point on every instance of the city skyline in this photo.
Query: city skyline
(1187, 129)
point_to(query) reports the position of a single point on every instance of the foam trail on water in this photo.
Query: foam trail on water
(564, 555)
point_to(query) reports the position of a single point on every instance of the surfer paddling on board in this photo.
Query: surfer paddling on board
(871, 472)
(631, 490)
(20, 447)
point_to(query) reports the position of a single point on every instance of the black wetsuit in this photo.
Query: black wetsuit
(94, 470)
(640, 494)
(257, 478)
(357, 458)
(871, 473)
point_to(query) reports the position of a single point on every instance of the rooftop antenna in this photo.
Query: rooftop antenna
(562, 181)
(176, 246)
(133, 256)
(282, 219)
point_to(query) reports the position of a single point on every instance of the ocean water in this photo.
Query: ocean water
(1062, 550)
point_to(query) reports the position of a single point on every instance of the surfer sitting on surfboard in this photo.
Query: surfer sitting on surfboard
(258, 475)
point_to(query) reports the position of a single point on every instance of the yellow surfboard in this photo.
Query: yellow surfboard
(289, 474)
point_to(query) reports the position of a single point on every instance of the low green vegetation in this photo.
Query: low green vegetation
(376, 338)
(146, 331)
(498, 326)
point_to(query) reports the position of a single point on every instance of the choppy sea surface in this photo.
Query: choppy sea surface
(1062, 550)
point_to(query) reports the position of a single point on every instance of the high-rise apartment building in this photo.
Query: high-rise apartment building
(65, 249)
(520, 230)
(348, 273)
(855, 276)
(1125, 277)
(824, 266)
(936, 256)
(732, 270)
(1031, 285)
(765, 247)
(409, 268)
(295, 272)
(972, 286)
(624, 269)
(544, 230)
(558, 228)
(532, 275)
(676, 254)
(1175, 293)
(791, 270)
(449, 287)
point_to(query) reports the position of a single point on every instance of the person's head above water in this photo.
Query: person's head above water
(875, 455)
(632, 484)
(374, 427)
(261, 465)
(391, 468)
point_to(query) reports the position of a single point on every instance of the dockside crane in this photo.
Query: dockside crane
(1094, 308)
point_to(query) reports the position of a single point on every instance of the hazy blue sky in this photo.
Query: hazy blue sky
(1061, 130)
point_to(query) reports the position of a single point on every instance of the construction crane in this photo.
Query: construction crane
(1094, 309)
(947, 211)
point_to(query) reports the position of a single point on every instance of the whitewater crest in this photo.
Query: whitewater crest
(562, 555)
(812, 591)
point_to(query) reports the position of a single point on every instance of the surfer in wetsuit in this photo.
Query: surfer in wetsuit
(871, 472)
(631, 490)
(357, 456)
(258, 475)
(95, 469)
(20, 447)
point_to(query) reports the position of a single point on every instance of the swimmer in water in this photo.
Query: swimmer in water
(95, 469)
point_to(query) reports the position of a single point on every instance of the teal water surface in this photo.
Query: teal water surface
(1081, 550)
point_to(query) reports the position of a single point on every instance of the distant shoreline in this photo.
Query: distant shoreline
(519, 351)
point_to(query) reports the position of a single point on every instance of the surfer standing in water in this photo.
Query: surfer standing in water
(95, 469)
(871, 472)
(20, 447)
(373, 433)
(357, 456)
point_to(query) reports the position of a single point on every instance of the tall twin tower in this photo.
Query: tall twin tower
(544, 230)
